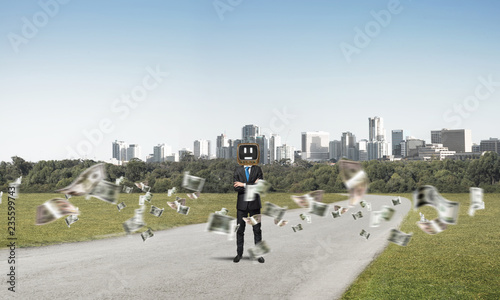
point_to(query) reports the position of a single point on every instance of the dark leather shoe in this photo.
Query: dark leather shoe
(237, 258)
(261, 260)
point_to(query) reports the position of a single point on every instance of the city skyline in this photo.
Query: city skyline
(174, 72)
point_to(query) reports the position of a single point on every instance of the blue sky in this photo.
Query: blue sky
(223, 73)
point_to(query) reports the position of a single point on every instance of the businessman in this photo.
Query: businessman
(247, 175)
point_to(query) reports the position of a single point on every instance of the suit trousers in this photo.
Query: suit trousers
(257, 232)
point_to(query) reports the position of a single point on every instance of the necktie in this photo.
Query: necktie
(247, 173)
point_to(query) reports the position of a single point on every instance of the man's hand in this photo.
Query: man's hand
(238, 184)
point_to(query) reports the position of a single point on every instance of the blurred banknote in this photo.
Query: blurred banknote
(432, 227)
(142, 199)
(387, 212)
(274, 211)
(13, 189)
(147, 234)
(355, 180)
(366, 205)
(318, 208)
(428, 195)
(194, 195)
(184, 210)
(375, 218)
(178, 202)
(71, 219)
(171, 191)
(396, 201)
(155, 211)
(259, 188)
(260, 249)
(364, 234)
(86, 181)
(127, 189)
(143, 187)
(303, 200)
(400, 238)
(357, 215)
(253, 220)
(148, 196)
(220, 224)
(192, 183)
(120, 180)
(135, 223)
(121, 206)
(54, 209)
(106, 191)
(67, 196)
(476, 200)
(338, 211)
(223, 211)
(305, 217)
(297, 227)
(280, 223)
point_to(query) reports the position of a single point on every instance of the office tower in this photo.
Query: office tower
(172, 157)
(377, 149)
(348, 145)
(397, 138)
(377, 144)
(221, 144)
(202, 149)
(234, 148)
(476, 148)
(119, 150)
(411, 146)
(436, 137)
(263, 148)
(459, 140)
(315, 145)
(150, 158)
(493, 144)
(285, 152)
(133, 151)
(335, 150)
(274, 143)
(362, 149)
(158, 153)
(185, 152)
(249, 133)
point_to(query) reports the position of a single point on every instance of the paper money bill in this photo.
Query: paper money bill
(178, 202)
(184, 210)
(147, 234)
(476, 200)
(428, 195)
(106, 191)
(236, 228)
(253, 220)
(220, 224)
(120, 180)
(432, 227)
(136, 222)
(71, 219)
(194, 195)
(375, 218)
(366, 205)
(86, 181)
(280, 223)
(260, 249)
(148, 196)
(143, 187)
(387, 212)
(171, 191)
(54, 209)
(296, 228)
(223, 211)
(274, 211)
(396, 201)
(318, 208)
(339, 211)
(142, 199)
(155, 211)
(336, 214)
(127, 189)
(192, 183)
(400, 238)
(425, 195)
(67, 196)
(306, 218)
(121, 206)
(357, 215)
(302, 201)
(364, 234)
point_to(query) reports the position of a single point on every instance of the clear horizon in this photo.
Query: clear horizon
(77, 76)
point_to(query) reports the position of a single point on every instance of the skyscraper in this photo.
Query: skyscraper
(436, 137)
(397, 138)
(315, 145)
(202, 149)
(335, 149)
(348, 145)
(362, 148)
(133, 151)
(285, 152)
(158, 153)
(274, 142)
(493, 144)
(249, 133)
(119, 150)
(221, 146)
(377, 144)
(458, 140)
(263, 148)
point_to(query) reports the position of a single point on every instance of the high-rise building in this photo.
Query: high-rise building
(202, 149)
(412, 145)
(377, 149)
(274, 143)
(285, 152)
(221, 146)
(119, 150)
(263, 148)
(397, 138)
(476, 148)
(159, 153)
(348, 145)
(335, 150)
(493, 144)
(315, 145)
(362, 149)
(183, 152)
(436, 137)
(150, 158)
(173, 157)
(249, 133)
(459, 140)
(234, 148)
(133, 151)
(377, 143)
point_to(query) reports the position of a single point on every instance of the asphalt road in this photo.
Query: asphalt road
(319, 262)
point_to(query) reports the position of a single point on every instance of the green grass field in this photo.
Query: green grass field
(462, 262)
(99, 219)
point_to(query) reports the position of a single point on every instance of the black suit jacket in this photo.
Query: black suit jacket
(239, 175)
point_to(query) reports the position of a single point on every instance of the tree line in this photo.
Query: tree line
(448, 176)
